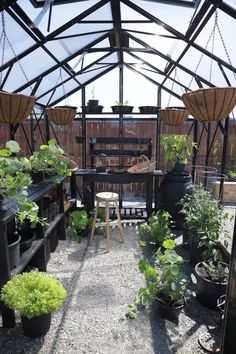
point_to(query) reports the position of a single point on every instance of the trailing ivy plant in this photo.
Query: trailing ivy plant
(158, 227)
(165, 281)
(14, 183)
(177, 148)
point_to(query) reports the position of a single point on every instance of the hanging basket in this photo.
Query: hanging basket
(211, 104)
(15, 108)
(173, 116)
(61, 115)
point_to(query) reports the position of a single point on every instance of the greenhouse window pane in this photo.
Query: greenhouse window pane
(61, 14)
(33, 65)
(51, 80)
(18, 40)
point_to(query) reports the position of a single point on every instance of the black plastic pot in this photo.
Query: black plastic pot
(208, 291)
(169, 312)
(14, 250)
(173, 188)
(37, 176)
(37, 326)
(195, 253)
(92, 103)
(122, 109)
(92, 109)
(101, 169)
(149, 109)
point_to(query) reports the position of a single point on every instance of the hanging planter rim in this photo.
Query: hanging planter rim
(210, 104)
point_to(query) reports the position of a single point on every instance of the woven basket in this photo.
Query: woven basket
(172, 116)
(146, 166)
(61, 115)
(211, 104)
(15, 108)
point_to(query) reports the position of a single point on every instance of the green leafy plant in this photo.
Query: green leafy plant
(14, 183)
(205, 221)
(33, 294)
(122, 103)
(165, 281)
(177, 148)
(217, 272)
(79, 221)
(99, 164)
(50, 158)
(158, 227)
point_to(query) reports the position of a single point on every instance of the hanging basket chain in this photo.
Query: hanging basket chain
(5, 37)
(225, 48)
(63, 89)
(208, 41)
(3, 41)
(172, 86)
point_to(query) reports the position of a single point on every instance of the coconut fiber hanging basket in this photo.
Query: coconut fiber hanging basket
(210, 104)
(173, 116)
(61, 115)
(14, 107)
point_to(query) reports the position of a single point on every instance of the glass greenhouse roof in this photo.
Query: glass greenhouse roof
(52, 49)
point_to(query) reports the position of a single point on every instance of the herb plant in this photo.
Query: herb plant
(177, 148)
(165, 281)
(79, 221)
(33, 294)
(158, 227)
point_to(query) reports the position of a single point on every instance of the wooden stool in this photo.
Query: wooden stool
(106, 198)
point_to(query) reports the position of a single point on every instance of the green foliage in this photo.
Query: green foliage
(50, 158)
(99, 163)
(14, 182)
(79, 220)
(205, 220)
(33, 294)
(177, 148)
(217, 271)
(158, 227)
(165, 281)
(120, 103)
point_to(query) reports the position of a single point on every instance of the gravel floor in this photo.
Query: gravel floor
(100, 285)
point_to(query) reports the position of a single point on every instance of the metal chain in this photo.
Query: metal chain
(208, 41)
(172, 86)
(63, 89)
(224, 45)
(5, 37)
(3, 41)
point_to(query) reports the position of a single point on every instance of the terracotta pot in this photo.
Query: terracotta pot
(173, 116)
(15, 108)
(61, 115)
(211, 104)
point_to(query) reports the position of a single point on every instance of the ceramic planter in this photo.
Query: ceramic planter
(37, 326)
(208, 291)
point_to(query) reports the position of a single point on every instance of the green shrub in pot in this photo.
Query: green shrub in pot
(78, 224)
(166, 284)
(34, 295)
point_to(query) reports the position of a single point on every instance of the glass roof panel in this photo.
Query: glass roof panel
(63, 48)
(165, 13)
(17, 40)
(51, 80)
(60, 13)
(79, 29)
(154, 59)
(104, 13)
(90, 74)
(33, 65)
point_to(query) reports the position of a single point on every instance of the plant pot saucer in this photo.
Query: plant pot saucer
(210, 343)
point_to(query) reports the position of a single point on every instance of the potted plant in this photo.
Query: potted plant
(177, 182)
(79, 224)
(35, 296)
(205, 224)
(49, 160)
(100, 168)
(122, 107)
(167, 286)
(158, 227)
(14, 183)
(92, 105)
